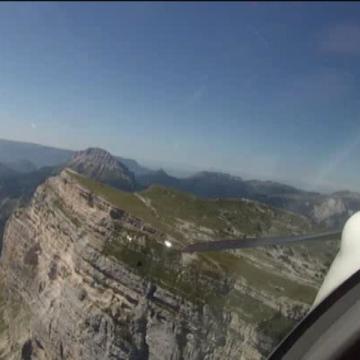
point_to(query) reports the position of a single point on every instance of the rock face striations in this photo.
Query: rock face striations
(100, 165)
(85, 275)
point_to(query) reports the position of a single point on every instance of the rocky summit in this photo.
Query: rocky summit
(98, 164)
(91, 272)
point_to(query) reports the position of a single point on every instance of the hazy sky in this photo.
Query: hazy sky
(256, 89)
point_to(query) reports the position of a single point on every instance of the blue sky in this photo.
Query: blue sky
(255, 89)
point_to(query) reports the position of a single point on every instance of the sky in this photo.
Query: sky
(260, 90)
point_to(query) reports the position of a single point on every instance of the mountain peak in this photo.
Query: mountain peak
(216, 175)
(95, 153)
(161, 172)
(95, 150)
(100, 165)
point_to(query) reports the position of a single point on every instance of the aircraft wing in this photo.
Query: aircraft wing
(256, 242)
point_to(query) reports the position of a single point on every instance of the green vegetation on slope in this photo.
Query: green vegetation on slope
(125, 201)
(207, 278)
(167, 206)
(266, 281)
(171, 204)
(218, 214)
(161, 265)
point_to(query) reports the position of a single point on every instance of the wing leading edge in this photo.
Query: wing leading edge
(220, 245)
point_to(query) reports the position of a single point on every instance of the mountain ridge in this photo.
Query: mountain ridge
(44, 155)
(6, 171)
(330, 209)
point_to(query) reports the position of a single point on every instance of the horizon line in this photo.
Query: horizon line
(163, 167)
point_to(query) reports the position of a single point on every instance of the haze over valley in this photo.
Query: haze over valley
(329, 209)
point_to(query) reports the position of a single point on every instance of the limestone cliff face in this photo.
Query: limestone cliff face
(72, 293)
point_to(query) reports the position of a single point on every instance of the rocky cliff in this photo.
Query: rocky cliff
(86, 274)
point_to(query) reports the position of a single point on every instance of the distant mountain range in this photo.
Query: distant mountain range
(39, 155)
(16, 152)
(16, 188)
(216, 184)
(6, 171)
(331, 210)
(22, 166)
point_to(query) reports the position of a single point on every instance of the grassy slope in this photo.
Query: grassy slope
(170, 204)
